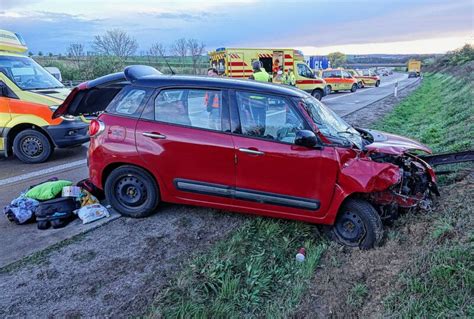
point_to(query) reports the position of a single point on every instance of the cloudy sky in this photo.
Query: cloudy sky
(316, 26)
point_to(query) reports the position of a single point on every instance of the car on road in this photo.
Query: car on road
(365, 77)
(244, 146)
(339, 80)
(28, 96)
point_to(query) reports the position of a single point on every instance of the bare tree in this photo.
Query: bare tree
(76, 52)
(195, 49)
(180, 49)
(117, 43)
(156, 52)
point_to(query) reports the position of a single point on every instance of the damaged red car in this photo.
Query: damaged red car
(248, 147)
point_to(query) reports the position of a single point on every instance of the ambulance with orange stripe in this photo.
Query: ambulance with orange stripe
(28, 97)
(237, 63)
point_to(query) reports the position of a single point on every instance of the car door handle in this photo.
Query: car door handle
(250, 151)
(154, 135)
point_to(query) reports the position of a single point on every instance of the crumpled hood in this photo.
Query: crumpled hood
(394, 144)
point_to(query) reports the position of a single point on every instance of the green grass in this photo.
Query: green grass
(357, 295)
(251, 274)
(440, 114)
(440, 282)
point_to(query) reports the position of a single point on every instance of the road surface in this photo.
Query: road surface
(70, 164)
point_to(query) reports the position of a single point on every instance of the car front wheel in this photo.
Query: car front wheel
(357, 225)
(377, 84)
(318, 94)
(132, 191)
(354, 87)
(31, 146)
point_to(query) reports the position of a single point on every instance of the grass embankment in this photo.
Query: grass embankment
(440, 282)
(252, 273)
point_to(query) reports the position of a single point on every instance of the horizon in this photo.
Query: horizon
(368, 27)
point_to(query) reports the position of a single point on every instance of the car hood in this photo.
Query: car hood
(393, 144)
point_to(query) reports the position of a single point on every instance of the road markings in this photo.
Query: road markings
(45, 171)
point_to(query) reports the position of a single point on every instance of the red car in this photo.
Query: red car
(244, 146)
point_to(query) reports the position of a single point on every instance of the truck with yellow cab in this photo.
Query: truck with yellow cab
(414, 68)
(28, 97)
(237, 63)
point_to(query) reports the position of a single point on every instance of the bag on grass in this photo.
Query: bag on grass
(56, 212)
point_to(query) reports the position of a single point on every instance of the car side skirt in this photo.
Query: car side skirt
(246, 194)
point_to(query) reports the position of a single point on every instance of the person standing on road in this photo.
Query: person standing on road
(212, 103)
(291, 78)
(259, 73)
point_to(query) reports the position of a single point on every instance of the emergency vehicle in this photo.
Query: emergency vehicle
(339, 79)
(237, 63)
(365, 77)
(28, 97)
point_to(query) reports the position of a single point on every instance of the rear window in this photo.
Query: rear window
(129, 101)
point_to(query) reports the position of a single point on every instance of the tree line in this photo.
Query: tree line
(115, 49)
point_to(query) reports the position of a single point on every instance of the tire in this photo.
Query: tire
(360, 85)
(329, 89)
(318, 94)
(377, 84)
(132, 191)
(354, 87)
(357, 225)
(32, 146)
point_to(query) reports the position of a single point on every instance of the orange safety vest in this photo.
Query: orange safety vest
(215, 100)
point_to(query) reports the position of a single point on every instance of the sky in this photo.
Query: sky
(316, 27)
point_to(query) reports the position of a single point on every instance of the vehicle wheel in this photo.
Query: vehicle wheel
(377, 84)
(358, 225)
(31, 146)
(354, 87)
(329, 89)
(360, 85)
(132, 191)
(318, 94)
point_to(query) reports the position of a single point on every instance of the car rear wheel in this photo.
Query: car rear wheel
(318, 94)
(132, 191)
(354, 87)
(31, 146)
(357, 225)
(360, 85)
(377, 84)
(329, 89)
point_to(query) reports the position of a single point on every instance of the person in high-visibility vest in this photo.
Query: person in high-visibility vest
(291, 78)
(259, 73)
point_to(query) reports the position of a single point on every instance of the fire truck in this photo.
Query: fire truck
(237, 63)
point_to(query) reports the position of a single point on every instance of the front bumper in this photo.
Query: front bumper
(69, 133)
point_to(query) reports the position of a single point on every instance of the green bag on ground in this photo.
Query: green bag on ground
(47, 190)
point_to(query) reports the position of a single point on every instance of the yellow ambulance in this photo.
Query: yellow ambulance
(28, 97)
(237, 63)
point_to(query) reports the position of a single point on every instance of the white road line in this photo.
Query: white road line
(45, 171)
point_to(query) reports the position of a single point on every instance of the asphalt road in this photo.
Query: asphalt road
(70, 164)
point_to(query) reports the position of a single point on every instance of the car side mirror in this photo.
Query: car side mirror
(306, 138)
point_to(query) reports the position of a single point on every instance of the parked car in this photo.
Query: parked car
(365, 78)
(244, 146)
(339, 79)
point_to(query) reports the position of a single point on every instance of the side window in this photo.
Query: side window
(190, 107)
(346, 74)
(129, 101)
(267, 116)
(336, 74)
(304, 71)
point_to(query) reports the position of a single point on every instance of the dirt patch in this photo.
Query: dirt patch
(367, 116)
(115, 270)
(336, 285)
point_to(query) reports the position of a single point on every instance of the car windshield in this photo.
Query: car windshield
(330, 124)
(27, 74)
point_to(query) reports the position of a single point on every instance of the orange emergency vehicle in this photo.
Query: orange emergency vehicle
(340, 79)
(28, 96)
(237, 63)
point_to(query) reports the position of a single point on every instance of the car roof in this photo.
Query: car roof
(158, 81)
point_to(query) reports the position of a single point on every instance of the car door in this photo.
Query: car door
(273, 175)
(347, 80)
(182, 137)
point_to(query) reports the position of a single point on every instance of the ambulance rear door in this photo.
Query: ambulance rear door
(277, 65)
